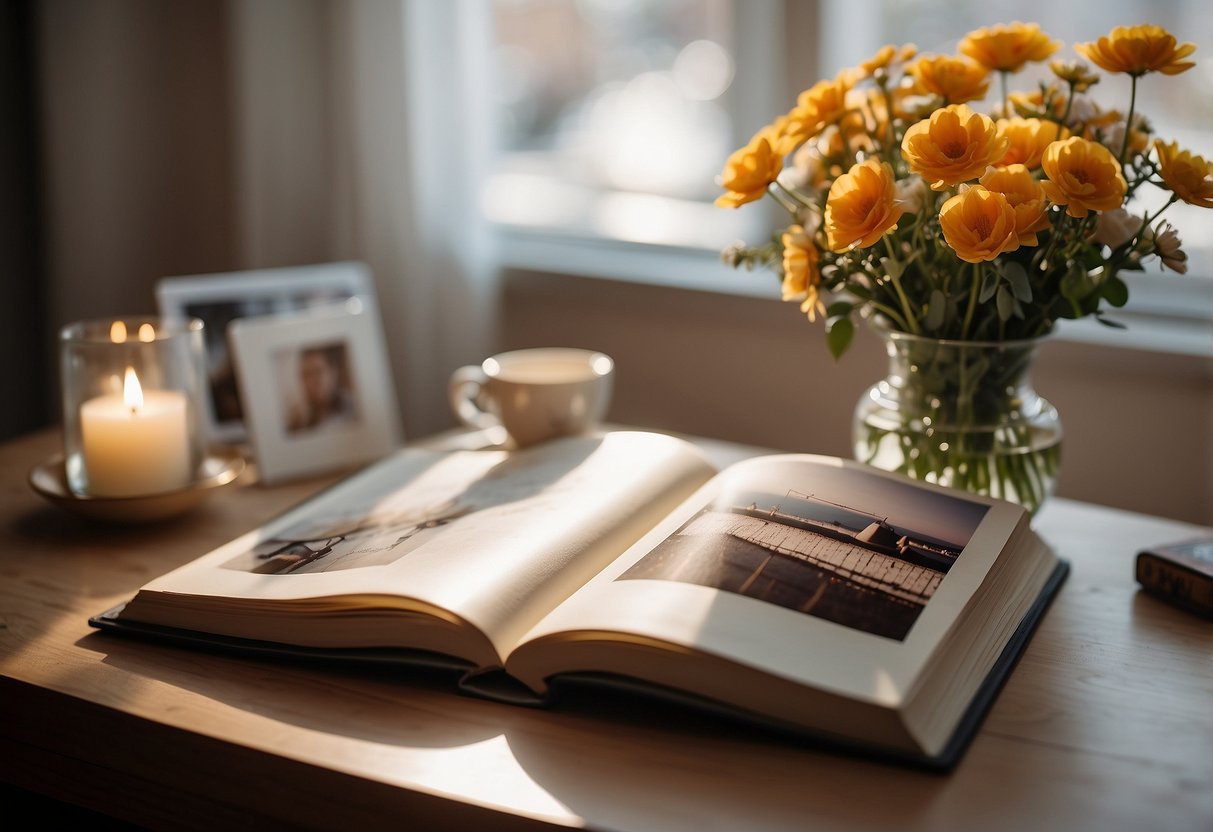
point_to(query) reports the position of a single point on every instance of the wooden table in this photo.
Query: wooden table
(1107, 722)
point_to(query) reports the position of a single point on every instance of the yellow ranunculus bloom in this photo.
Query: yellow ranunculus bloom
(978, 224)
(1036, 103)
(955, 80)
(1018, 175)
(1006, 48)
(820, 105)
(1083, 175)
(1137, 50)
(862, 206)
(954, 145)
(1029, 137)
(1189, 176)
(1025, 195)
(885, 57)
(748, 173)
(801, 276)
(1075, 73)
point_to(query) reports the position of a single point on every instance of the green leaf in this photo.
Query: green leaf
(839, 309)
(989, 283)
(1017, 276)
(1116, 292)
(859, 291)
(839, 333)
(1075, 284)
(1005, 302)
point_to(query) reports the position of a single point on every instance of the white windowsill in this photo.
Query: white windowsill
(1167, 314)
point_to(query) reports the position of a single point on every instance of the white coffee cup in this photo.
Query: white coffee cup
(534, 394)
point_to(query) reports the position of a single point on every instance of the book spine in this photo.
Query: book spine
(1179, 585)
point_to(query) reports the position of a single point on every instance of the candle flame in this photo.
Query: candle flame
(147, 333)
(118, 332)
(132, 393)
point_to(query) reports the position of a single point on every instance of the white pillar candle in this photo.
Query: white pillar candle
(135, 443)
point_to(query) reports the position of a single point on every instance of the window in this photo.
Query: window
(615, 116)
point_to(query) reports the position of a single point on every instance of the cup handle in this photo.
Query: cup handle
(464, 391)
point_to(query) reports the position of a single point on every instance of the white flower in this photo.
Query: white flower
(1116, 227)
(912, 193)
(1082, 110)
(1167, 247)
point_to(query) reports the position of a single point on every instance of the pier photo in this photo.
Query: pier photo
(865, 558)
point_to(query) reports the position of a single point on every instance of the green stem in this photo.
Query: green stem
(786, 199)
(910, 318)
(1069, 104)
(974, 290)
(1124, 146)
(1150, 220)
(892, 314)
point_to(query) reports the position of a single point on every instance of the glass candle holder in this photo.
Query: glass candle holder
(132, 405)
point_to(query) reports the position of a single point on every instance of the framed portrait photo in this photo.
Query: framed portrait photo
(317, 389)
(221, 298)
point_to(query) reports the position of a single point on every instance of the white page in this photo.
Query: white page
(496, 538)
(805, 648)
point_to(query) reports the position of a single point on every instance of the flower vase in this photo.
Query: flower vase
(962, 414)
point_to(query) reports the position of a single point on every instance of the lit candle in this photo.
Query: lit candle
(135, 443)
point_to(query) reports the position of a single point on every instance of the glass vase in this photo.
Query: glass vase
(962, 414)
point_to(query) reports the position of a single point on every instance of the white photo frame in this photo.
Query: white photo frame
(222, 297)
(284, 361)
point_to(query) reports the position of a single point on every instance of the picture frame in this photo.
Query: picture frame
(219, 298)
(317, 389)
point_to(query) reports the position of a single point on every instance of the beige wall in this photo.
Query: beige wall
(1138, 426)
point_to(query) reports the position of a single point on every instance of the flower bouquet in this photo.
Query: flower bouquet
(965, 236)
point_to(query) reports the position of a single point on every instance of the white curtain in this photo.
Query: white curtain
(356, 136)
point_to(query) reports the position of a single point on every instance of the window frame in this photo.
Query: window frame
(1166, 313)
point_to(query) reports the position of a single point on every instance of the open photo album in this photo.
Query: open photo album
(861, 608)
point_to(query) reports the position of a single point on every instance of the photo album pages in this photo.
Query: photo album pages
(865, 610)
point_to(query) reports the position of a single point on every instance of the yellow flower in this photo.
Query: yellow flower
(820, 105)
(956, 144)
(867, 119)
(1028, 137)
(978, 224)
(748, 173)
(801, 276)
(955, 80)
(1025, 196)
(1137, 50)
(1075, 73)
(777, 136)
(1083, 175)
(1046, 101)
(1188, 176)
(1007, 48)
(885, 57)
(862, 206)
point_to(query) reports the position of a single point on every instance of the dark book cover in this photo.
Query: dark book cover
(1180, 573)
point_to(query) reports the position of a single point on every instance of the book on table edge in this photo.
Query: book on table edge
(683, 493)
(504, 690)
